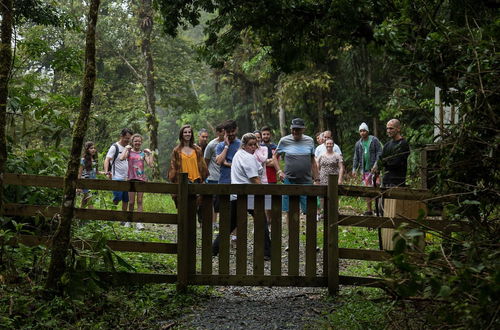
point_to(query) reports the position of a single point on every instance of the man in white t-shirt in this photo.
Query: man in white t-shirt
(117, 169)
(321, 149)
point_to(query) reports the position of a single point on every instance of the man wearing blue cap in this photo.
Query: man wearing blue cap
(300, 164)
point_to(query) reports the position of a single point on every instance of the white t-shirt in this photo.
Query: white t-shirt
(321, 149)
(120, 171)
(244, 167)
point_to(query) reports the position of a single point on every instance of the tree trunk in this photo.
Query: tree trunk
(5, 67)
(146, 25)
(62, 236)
(321, 111)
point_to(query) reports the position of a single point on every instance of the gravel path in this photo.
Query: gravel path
(257, 308)
(236, 307)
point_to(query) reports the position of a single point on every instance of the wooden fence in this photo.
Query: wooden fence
(191, 272)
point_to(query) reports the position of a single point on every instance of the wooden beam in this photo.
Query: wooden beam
(359, 254)
(333, 235)
(258, 280)
(121, 278)
(388, 222)
(115, 245)
(361, 281)
(90, 214)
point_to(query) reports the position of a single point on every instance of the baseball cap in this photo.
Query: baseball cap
(298, 123)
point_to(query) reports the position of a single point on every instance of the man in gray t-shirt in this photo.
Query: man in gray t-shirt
(213, 167)
(300, 164)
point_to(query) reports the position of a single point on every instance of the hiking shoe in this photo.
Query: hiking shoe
(125, 224)
(139, 226)
(368, 213)
(267, 258)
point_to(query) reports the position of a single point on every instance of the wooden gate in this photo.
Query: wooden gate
(195, 261)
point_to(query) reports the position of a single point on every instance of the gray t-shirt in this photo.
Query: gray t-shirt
(120, 166)
(297, 158)
(213, 167)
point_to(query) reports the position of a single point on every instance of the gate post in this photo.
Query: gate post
(333, 234)
(182, 233)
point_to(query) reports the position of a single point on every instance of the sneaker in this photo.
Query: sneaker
(368, 213)
(139, 226)
(125, 224)
(267, 258)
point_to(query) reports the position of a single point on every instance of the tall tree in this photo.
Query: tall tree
(62, 236)
(5, 66)
(145, 16)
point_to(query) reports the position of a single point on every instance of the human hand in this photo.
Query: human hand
(147, 151)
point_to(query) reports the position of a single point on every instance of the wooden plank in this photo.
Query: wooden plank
(396, 193)
(259, 280)
(115, 245)
(121, 278)
(361, 281)
(206, 234)
(358, 254)
(398, 208)
(192, 208)
(182, 233)
(259, 221)
(333, 235)
(258, 189)
(311, 235)
(395, 222)
(325, 236)
(224, 230)
(90, 214)
(293, 235)
(95, 184)
(276, 232)
(241, 242)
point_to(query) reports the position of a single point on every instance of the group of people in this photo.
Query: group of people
(252, 159)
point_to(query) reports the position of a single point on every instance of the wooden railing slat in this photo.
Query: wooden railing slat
(224, 230)
(359, 254)
(259, 221)
(276, 232)
(293, 235)
(192, 215)
(206, 234)
(333, 235)
(241, 242)
(311, 236)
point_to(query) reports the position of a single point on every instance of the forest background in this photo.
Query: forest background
(264, 62)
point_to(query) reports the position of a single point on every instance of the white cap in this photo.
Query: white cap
(363, 127)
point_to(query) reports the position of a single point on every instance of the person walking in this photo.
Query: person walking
(202, 139)
(116, 168)
(271, 149)
(213, 167)
(137, 159)
(329, 163)
(246, 169)
(394, 158)
(300, 163)
(321, 149)
(367, 151)
(88, 170)
(226, 150)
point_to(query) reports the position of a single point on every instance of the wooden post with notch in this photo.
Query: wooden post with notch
(182, 233)
(333, 232)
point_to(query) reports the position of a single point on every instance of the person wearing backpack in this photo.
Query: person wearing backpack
(117, 168)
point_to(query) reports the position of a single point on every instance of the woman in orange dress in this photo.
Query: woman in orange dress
(187, 157)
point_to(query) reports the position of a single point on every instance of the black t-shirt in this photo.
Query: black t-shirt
(394, 160)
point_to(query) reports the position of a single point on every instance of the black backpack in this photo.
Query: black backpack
(112, 162)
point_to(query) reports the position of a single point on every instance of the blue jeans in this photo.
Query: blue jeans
(303, 199)
(120, 195)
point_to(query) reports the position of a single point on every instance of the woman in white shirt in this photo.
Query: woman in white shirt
(245, 168)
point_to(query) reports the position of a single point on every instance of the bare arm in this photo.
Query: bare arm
(125, 152)
(276, 164)
(222, 156)
(255, 180)
(314, 169)
(106, 167)
(341, 173)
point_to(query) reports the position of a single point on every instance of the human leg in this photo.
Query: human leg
(131, 201)
(216, 243)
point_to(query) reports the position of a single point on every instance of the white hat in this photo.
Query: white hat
(363, 127)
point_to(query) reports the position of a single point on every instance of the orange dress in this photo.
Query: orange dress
(190, 166)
